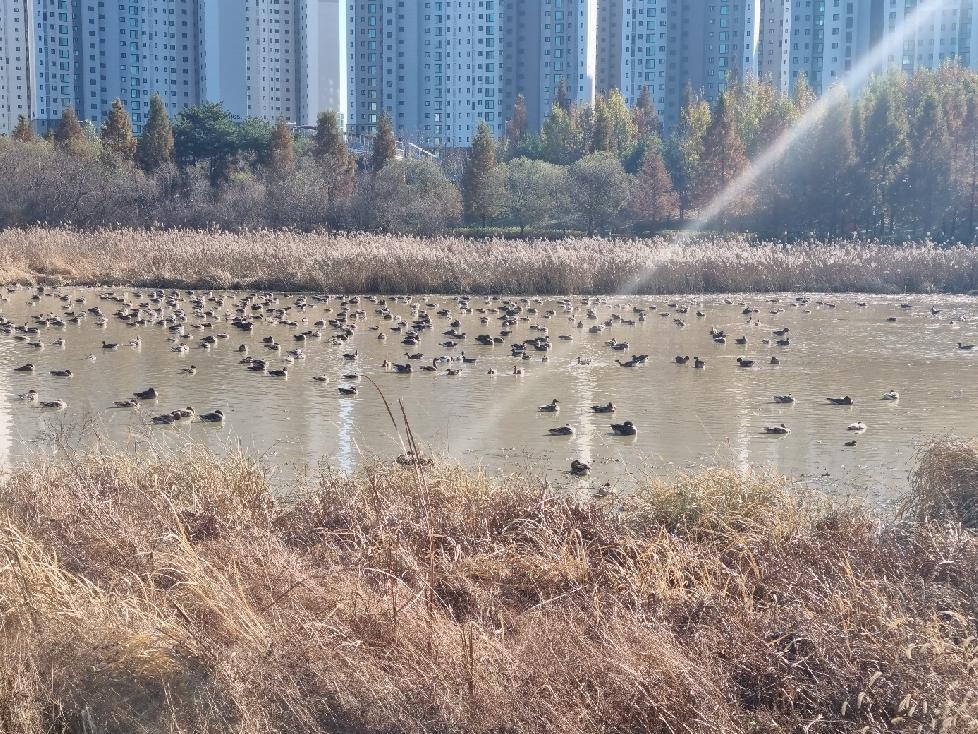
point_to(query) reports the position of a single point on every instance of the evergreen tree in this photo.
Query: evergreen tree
(117, 135)
(601, 135)
(206, 133)
(654, 199)
(69, 134)
(723, 150)
(155, 147)
(481, 181)
(562, 98)
(622, 132)
(282, 146)
(518, 125)
(23, 133)
(646, 116)
(561, 139)
(329, 143)
(385, 147)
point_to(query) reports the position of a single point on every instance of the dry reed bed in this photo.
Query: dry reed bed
(175, 593)
(366, 263)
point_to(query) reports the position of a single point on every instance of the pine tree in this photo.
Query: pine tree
(385, 147)
(518, 125)
(282, 146)
(481, 181)
(23, 133)
(69, 134)
(723, 150)
(654, 199)
(562, 98)
(646, 116)
(329, 143)
(155, 146)
(117, 135)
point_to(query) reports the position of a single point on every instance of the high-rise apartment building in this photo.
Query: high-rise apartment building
(56, 77)
(827, 37)
(434, 67)
(546, 42)
(322, 54)
(16, 63)
(945, 32)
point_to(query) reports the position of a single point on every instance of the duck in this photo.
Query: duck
(609, 408)
(111, 347)
(583, 361)
(682, 360)
(417, 355)
(61, 373)
(129, 403)
(698, 363)
(775, 361)
(403, 369)
(453, 371)
(350, 356)
(891, 395)
(347, 389)
(745, 362)
(784, 399)
(579, 468)
(624, 429)
(517, 370)
(965, 347)
(183, 415)
(29, 367)
(165, 419)
(147, 394)
(778, 430)
(742, 340)
(552, 407)
(565, 430)
(320, 378)
(191, 370)
(857, 426)
(850, 444)
(216, 416)
(284, 372)
(30, 396)
(54, 404)
(468, 360)
(840, 401)
(180, 349)
(491, 372)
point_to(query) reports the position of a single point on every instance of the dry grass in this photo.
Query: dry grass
(945, 483)
(176, 593)
(363, 263)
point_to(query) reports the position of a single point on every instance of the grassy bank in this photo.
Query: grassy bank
(174, 593)
(390, 264)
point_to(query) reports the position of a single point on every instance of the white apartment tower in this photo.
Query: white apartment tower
(322, 53)
(827, 37)
(948, 33)
(16, 63)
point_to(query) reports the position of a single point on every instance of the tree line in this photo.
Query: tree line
(900, 160)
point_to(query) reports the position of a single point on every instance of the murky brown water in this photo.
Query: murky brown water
(684, 415)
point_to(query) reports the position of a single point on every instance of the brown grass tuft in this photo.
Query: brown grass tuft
(944, 483)
(179, 593)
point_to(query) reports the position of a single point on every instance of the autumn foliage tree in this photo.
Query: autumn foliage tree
(155, 146)
(117, 137)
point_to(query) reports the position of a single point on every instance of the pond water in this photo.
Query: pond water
(860, 346)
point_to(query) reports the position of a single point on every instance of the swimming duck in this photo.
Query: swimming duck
(216, 416)
(403, 369)
(180, 349)
(25, 368)
(840, 401)
(624, 429)
(742, 340)
(59, 343)
(30, 396)
(61, 373)
(551, 407)
(130, 403)
(779, 430)
(965, 347)
(347, 389)
(284, 372)
(517, 370)
(350, 356)
(148, 394)
(565, 430)
(453, 372)
(54, 404)
(850, 444)
(579, 468)
(184, 415)
(609, 408)
(682, 360)
(784, 399)
(165, 419)
(698, 363)
(857, 426)
(112, 347)
(320, 378)
(745, 362)
(468, 360)
(891, 395)
(775, 361)
(191, 370)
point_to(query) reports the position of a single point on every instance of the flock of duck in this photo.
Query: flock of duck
(202, 321)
